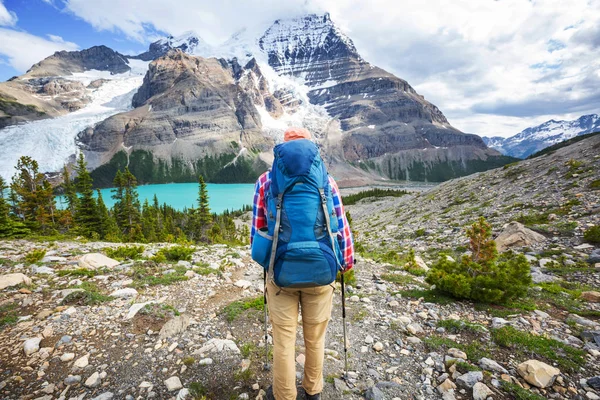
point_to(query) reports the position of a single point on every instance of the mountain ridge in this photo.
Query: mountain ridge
(536, 138)
(300, 71)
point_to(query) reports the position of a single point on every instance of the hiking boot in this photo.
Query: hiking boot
(270, 395)
(305, 396)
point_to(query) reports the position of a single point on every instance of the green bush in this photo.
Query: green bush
(35, 256)
(592, 235)
(482, 276)
(349, 277)
(125, 252)
(176, 253)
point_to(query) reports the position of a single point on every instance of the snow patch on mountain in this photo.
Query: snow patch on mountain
(51, 142)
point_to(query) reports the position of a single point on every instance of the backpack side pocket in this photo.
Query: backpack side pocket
(261, 247)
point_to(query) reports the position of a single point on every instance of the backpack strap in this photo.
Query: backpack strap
(271, 268)
(328, 224)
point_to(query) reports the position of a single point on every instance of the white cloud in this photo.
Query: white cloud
(492, 67)
(23, 49)
(7, 18)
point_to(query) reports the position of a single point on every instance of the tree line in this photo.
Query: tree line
(28, 208)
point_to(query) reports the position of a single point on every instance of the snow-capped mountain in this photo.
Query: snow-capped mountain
(536, 138)
(218, 110)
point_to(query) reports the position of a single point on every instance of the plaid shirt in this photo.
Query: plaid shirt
(259, 220)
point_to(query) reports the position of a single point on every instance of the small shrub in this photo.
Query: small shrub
(420, 232)
(197, 390)
(35, 256)
(595, 185)
(458, 326)
(592, 235)
(89, 296)
(79, 272)
(150, 274)
(187, 361)
(125, 252)
(176, 253)
(482, 276)
(8, 315)
(234, 309)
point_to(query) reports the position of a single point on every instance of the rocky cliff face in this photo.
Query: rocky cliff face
(47, 90)
(188, 109)
(378, 113)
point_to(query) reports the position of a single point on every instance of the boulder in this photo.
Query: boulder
(10, 280)
(31, 345)
(175, 326)
(469, 379)
(93, 381)
(516, 234)
(173, 383)
(537, 373)
(591, 296)
(481, 391)
(218, 345)
(96, 260)
(491, 365)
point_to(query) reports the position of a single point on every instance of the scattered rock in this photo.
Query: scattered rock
(93, 381)
(96, 260)
(31, 346)
(469, 379)
(592, 296)
(481, 391)
(175, 326)
(10, 280)
(81, 362)
(491, 365)
(516, 234)
(67, 357)
(173, 383)
(373, 393)
(537, 373)
(123, 293)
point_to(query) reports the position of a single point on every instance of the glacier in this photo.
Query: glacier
(51, 142)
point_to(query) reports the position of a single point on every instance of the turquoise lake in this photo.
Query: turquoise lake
(185, 195)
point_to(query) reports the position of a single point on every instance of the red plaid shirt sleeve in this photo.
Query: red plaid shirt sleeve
(344, 233)
(259, 219)
(259, 209)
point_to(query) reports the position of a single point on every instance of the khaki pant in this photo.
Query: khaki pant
(283, 312)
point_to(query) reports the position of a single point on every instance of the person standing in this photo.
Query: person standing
(313, 296)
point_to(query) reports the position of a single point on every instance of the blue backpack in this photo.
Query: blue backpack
(299, 248)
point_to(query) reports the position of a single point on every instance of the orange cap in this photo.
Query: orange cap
(294, 133)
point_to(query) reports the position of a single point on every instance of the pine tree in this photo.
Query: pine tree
(127, 206)
(201, 217)
(86, 208)
(69, 190)
(32, 197)
(108, 226)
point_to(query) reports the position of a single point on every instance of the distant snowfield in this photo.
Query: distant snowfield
(52, 141)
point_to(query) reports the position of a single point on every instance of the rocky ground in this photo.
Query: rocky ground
(77, 324)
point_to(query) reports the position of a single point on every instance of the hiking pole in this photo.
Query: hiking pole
(344, 325)
(266, 365)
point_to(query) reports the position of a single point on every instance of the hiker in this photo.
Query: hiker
(301, 236)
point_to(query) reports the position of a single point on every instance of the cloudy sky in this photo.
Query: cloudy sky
(494, 67)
